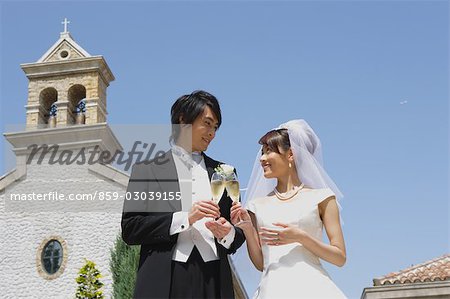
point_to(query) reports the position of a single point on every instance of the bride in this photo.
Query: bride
(289, 199)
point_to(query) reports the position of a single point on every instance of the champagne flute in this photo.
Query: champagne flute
(217, 186)
(232, 185)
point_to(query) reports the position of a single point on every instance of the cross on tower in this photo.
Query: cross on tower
(65, 24)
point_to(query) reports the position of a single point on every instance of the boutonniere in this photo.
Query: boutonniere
(225, 170)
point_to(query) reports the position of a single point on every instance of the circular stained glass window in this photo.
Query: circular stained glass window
(52, 256)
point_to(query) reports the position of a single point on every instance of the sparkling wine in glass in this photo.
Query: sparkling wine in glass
(233, 189)
(232, 185)
(217, 186)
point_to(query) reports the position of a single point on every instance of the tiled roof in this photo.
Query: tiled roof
(435, 270)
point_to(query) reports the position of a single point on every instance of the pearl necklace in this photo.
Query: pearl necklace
(288, 194)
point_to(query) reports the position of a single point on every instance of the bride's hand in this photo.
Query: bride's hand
(280, 236)
(239, 214)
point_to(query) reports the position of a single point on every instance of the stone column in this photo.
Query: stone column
(33, 117)
(63, 118)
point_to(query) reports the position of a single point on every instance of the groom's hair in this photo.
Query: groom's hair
(190, 106)
(275, 140)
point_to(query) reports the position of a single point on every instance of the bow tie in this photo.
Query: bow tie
(197, 157)
(188, 158)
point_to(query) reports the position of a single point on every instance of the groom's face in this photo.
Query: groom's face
(204, 130)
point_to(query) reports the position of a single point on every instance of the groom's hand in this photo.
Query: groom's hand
(220, 228)
(201, 209)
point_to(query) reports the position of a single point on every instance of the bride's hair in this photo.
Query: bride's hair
(275, 140)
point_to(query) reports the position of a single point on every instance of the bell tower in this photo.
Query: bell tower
(66, 104)
(67, 86)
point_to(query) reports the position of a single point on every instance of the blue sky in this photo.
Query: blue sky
(344, 66)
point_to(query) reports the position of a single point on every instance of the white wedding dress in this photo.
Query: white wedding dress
(292, 271)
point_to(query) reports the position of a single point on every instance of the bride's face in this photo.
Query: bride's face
(274, 164)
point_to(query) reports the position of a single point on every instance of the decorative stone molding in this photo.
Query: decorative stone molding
(72, 137)
(40, 266)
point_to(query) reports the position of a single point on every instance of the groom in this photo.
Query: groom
(185, 241)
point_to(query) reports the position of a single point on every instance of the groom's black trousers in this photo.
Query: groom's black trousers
(195, 278)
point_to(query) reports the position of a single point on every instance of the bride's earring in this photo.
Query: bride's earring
(290, 165)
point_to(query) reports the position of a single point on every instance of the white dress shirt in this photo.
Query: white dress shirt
(194, 186)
